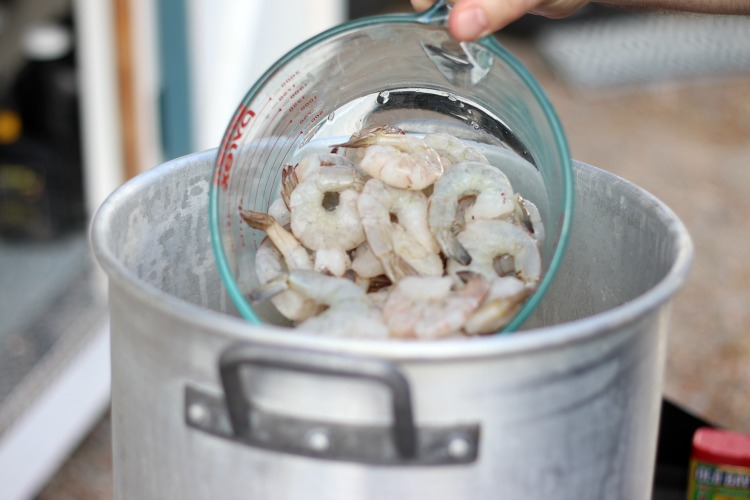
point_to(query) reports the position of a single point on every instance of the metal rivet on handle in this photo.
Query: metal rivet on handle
(198, 414)
(318, 440)
(458, 447)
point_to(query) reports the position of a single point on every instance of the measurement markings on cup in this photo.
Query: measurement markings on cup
(256, 163)
(277, 162)
(243, 182)
(231, 143)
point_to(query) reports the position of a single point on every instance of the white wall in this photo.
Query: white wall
(100, 110)
(231, 44)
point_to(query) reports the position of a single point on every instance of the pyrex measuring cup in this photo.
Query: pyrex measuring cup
(402, 70)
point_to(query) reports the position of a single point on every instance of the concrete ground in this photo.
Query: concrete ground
(688, 143)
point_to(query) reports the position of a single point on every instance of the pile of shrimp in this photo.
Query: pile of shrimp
(397, 236)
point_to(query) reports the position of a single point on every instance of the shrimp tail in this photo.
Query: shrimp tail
(289, 181)
(257, 220)
(270, 289)
(370, 136)
(378, 283)
(522, 214)
(451, 247)
(398, 268)
(358, 142)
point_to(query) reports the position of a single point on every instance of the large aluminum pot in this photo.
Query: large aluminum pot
(205, 406)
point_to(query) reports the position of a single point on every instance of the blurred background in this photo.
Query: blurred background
(92, 92)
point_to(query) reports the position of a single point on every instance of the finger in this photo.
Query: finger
(472, 19)
(557, 9)
(420, 5)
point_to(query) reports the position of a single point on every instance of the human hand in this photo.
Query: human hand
(472, 19)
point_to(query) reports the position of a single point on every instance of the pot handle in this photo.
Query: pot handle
(240, 408)
(234, 417)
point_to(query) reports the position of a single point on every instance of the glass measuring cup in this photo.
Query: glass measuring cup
(402, 70)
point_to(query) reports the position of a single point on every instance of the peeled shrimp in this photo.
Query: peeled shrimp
(311, 164)
(365, 263)
(350, 311)
(423, 261)
(505, 297)
(333, 261)
(399, 160)
(427, 307)
(295, 255)
(494, 198)
(329, 230)
(318, 226)
(403, 247)
(279, 211)
(499, 248)
(453, 151)
(269, 265)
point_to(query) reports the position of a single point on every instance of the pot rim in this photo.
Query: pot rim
(238, 329)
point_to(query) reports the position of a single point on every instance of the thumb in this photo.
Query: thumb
(420, 5)
(472, 19)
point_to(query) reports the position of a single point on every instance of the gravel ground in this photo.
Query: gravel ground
(689, 145)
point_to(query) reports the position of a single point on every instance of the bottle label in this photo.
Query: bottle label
(711, 481)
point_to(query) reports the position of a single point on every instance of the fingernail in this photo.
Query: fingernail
(470, 24)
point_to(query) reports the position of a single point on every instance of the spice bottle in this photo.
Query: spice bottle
(719, 465)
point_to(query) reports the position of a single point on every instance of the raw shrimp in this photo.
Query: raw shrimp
(292, 175)
(529, 218)
(505, 297)
(423, 261)
(365, 263)
(333, 261)
(320, 226)
(367, 269)
(328, 226)
(295, 255)
(494, 199)
(312, 163)
(269, 265)
(350, 312)
(399, 160)
(280, 211)
(426, 307)
(453, 151)
(499, 248)
(405, 246)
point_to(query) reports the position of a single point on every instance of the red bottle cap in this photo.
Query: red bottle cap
(721, 447)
